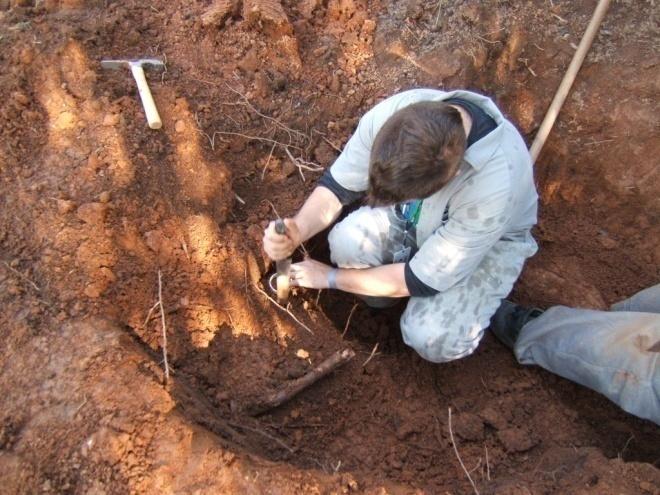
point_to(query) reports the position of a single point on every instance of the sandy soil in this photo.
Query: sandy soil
(257, 97)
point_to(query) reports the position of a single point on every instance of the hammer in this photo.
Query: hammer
(137, 70)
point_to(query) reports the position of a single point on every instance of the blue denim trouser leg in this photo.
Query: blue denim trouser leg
(614, 352)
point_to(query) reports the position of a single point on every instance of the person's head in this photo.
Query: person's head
(416, 152)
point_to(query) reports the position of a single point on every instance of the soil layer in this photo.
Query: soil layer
(257, 98)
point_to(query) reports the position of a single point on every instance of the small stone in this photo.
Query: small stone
(27, 56)
(406, 430)
(250, 62)
(20, 98)
(104, 197)
(493, 418)
(368, 26)
(320, 51)
(92, 213)
(154, 240)
(288, 168)
(608, 242)
(335, 84)
(261, 85)
(180, 126)
(255, 232)
(93, 161)
(516, 439)
(469, 427)
(111, 119)
(93, 291)
(302, 354)
(65, 206)
(645, 486)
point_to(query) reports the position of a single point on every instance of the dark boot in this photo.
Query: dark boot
(509, 319)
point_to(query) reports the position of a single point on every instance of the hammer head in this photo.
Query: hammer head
(116, 64)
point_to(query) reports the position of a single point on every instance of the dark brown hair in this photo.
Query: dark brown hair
(416, 152)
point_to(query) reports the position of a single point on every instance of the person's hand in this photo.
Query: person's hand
(281, 246)
(310, 273)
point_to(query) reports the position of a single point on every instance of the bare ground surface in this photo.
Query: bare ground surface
(256, 97)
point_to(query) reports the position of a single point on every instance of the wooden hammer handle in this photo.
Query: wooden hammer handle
(145, 95)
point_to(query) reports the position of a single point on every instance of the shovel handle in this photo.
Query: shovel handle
(148, 103)
(280, 228)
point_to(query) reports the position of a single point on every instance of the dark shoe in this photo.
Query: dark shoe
(509, 319)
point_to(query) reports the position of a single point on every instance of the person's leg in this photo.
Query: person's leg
(450, 325)
(646, 301)
(609, 352)
(360, 241)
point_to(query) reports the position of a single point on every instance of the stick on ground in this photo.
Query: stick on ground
(286, 310)
(294, 387)
(162, 319)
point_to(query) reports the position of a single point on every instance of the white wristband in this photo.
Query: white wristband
(332, 279)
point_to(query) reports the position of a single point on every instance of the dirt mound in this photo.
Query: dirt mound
(257, 99)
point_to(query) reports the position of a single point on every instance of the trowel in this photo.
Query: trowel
(282, 266)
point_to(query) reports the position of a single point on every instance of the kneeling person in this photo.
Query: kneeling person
(450, 203)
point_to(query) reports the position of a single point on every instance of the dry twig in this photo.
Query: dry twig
(437, 17)
(561, 19)
(279, 125)
(240, 200)
(303, 165)
(202, 132)
(492, 42)
(270, 155)
(371, 356)
(262, 433)
(20, 275)
(348, 321)
(294, 387)
(487, 464)
(146, 320)
(286, 310)
(163, 326)
(332, 145)
(453, 442)
(525, 62)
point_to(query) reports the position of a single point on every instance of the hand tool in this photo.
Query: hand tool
(283, 267)
(137, 69)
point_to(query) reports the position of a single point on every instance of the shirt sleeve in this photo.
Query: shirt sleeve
(350, 170)
(478, 217)
(345, 196)
(417, 288)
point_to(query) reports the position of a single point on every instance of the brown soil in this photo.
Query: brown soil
(93, 204)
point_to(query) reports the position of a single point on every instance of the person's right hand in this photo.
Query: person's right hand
(278, 246)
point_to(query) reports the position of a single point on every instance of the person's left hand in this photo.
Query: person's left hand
(310, 273)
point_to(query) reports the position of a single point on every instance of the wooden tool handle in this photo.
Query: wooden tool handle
(569, 77)
(148, 103)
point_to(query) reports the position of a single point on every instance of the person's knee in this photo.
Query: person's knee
(353, 245)
(435, 343)
(343, 244)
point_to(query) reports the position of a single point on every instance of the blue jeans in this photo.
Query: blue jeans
(613, 352)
